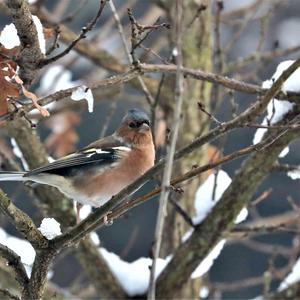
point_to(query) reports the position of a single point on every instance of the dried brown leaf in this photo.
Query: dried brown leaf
(6, 57)
(44, 112)
(7, 89)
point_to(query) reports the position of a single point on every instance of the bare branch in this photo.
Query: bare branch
(14, 261)
(30, 53)
(222, 217)
(162, 210)
(22, 222)
(7, 293)
(227, 82)
(81, 36)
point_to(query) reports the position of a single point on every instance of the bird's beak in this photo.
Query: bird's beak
(144, 127)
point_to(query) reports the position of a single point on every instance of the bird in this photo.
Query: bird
(97, 172)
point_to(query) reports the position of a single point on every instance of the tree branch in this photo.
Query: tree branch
(81, 36)
(60, 95)
(7, 293)
(233, 84)
(22, 222)
(165, 186)
(14, 261)
(30, 53)
(59, 207)
(209, 232)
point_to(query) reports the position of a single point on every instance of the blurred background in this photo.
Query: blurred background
(254, 37)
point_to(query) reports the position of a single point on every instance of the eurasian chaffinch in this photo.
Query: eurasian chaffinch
(95, 173)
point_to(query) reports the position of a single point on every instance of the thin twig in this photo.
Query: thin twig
(96, 218)
(127, 51)
(74, 13)
(162, 211)
(81, 36)
(182, 212)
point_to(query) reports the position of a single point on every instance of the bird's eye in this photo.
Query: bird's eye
(138, 124)
(133, 125)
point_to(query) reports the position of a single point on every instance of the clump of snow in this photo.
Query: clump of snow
(204, 204)
(85, 210)
(187, 235)
(9, 37)
(51, 159)
(40, 33)
(204, 292)
(20, 247)
(292, 84)
(284, 152)
(83, 92)
(133, 277)
(294, 174)
(242, 216)
(277, 109)
(293, 277)
(208, 261)
(204, 201)
(175, 51)
(95, 238)
(50, 228)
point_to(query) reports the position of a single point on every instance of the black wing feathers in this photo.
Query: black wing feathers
(77, 162)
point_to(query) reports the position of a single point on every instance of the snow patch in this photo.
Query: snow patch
(83, 92)
(204, 201)
(277, 109)
(293, 277)
(95, 238)
(85, 210)
(294, 174)
(204, 292)
(204, 204)
(9, 37)
(133, 277)
(292, 84)
(242, 216)
(40, 33)
(50, 228)
(208, 261)
(20, 247)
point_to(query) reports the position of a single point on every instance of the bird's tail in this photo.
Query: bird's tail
(12, 176)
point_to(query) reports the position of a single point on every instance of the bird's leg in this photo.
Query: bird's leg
(78, 207)
(106, 220)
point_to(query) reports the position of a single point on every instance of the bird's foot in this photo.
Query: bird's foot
(78, 208)
(107, 220)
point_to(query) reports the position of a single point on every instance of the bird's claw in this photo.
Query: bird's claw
(108, 221)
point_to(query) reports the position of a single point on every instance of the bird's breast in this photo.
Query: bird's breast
(100, 187)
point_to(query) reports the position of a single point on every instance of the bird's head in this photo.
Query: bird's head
(135, 126)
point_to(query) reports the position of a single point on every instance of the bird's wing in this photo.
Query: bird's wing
(101, 153)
